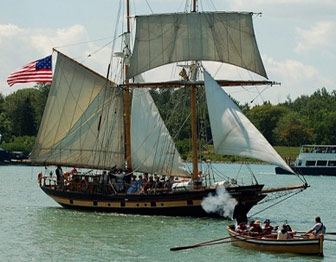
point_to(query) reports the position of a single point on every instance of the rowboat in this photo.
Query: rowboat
(298, 245)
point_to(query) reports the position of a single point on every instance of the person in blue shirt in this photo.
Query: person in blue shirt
(133, 186)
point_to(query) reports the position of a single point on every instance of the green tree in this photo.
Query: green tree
(5, 127)
(39, 101)
(266, 117)
(20, 112)
(293, 130)
(312, 107)
(23, 144)
(325, 130)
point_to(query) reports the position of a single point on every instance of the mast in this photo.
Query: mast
(194, 132)
(127, 103)
(193, 119)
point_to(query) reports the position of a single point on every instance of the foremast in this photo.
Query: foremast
(194, 118)
(127, 109)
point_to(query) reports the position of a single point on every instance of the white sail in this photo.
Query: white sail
(153, 150)
(82, 124)
(212, 36)
(232, 132)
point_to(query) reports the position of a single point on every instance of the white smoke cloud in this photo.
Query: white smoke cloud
(221, 203)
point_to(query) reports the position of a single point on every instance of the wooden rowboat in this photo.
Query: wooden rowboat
(298, 245)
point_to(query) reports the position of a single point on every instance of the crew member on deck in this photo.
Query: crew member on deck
(73, 171)
(120, 181)
(59, 177)
(133, 186)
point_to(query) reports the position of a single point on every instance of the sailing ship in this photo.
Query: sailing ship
(88, 122)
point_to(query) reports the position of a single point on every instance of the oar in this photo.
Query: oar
(329, 239)
(330, 233)
(327, 233)
(208, 243)
(223, 242)
(198, 244)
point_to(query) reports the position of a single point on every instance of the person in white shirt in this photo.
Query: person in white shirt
(317, 229)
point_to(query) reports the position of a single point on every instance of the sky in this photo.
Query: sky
(296, 39)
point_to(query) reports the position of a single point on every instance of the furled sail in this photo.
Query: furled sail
(232, 132)
(82, 124)
(153, 150)
(213, 36)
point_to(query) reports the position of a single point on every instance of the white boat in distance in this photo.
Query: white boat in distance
(315, 160)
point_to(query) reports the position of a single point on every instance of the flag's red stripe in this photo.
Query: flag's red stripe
(28, 73)
(31, 72)
(42, 73)
(30, 78)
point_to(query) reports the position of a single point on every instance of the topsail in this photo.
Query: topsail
(213, 36)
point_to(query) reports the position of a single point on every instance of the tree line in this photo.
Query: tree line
(309, 119)
(306, 120)
(20, 116)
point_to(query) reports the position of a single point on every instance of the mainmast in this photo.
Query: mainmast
(127, 101)
(193, 119)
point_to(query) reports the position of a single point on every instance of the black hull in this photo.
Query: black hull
(309, 171)
(167, 204)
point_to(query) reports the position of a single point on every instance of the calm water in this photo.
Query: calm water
(34, 228)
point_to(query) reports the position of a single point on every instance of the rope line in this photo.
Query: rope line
(295, 193)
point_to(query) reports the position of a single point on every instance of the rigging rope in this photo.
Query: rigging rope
(295, 193)
(251, 172)
(149, 7)
(86, 42)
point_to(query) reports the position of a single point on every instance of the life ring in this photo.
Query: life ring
(84, 185)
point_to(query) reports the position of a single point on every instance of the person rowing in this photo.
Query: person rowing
(267, 229)
(317, 229)
(285, 233)
(256, 229)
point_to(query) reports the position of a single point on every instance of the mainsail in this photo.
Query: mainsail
(82, 124)
(212, 36)
(232, 132)
(153, 150)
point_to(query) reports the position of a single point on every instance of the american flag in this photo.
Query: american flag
(38, 71)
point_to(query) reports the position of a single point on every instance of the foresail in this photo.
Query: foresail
(232, 132)
(82, 124)
(212, 36)
(153, 150)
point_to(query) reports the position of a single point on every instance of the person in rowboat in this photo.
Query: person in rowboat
(317, 229)
(267, 229)
(285, 233)
(256, 228)
(241, 228)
